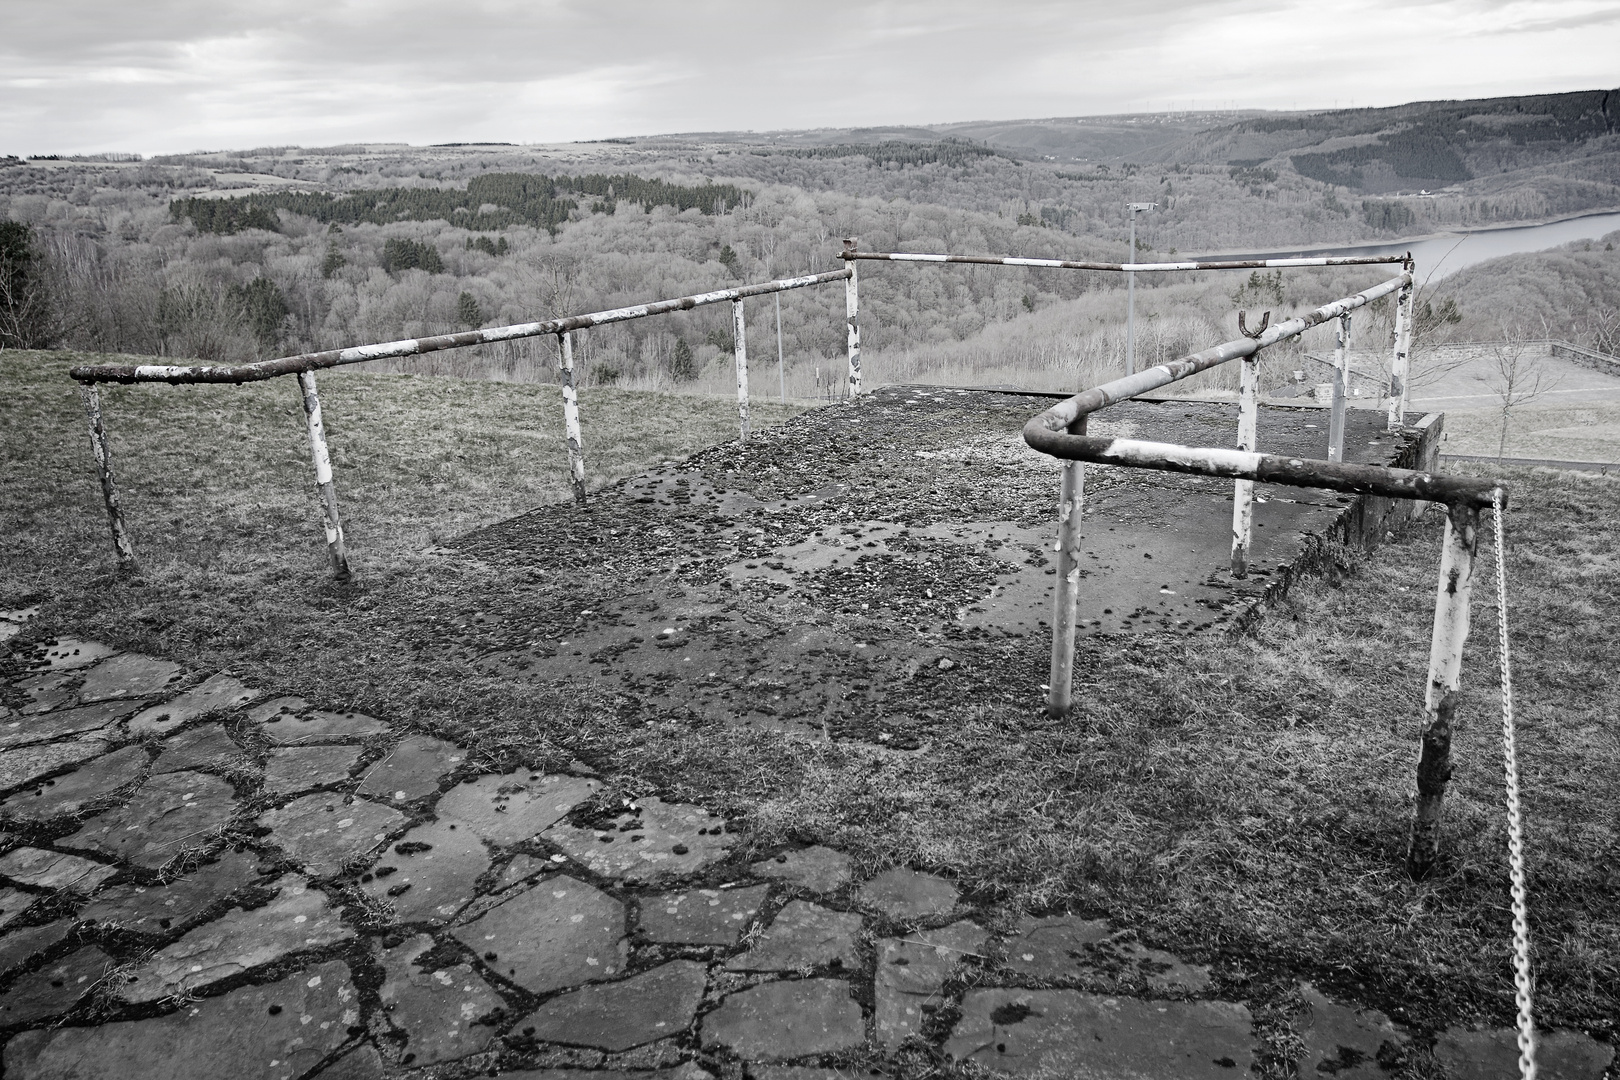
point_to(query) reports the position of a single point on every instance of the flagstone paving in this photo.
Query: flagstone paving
(207, 914)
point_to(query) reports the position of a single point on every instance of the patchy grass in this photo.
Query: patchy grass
(1587, 431)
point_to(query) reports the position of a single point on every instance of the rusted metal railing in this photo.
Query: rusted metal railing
(1061, 432)
(305, 365)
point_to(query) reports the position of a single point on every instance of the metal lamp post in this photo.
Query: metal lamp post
(1130, 288)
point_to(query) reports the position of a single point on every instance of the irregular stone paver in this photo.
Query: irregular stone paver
(200, 748)
(510, 808)
(1345, 1042)
(1065, 947)
(13, 902)
(1071, 1033)
(54, 870)
(128, 675)
(215, 693)
(298, 918)
(437, 1009)
(656, 840)
(69, 654)
(802, 1072)
(906, 894)
(55, 988)
(20, 946)
(287, 730)
(818, 869)
(49, 691)
(1492, 1054)
(429, 872)
(411, 769)
(274, 1032)
(283, 707)
(69, 794)
(560, 933)
(361, 1063)
(520, 869)
(645, 1008)
(299, 768)
(778, 1021)
(24, 766)
(322, 831)
(701, 916)
(168, 814)
(21, 731)
(803, 935)
(910, 972)
(156, 909)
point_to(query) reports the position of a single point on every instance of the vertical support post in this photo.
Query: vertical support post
(576, 446)
(1440, 697)
(1341, 388)
(781, 370)
(102, 450)
(1066, 596)
(852, 314)
(739, 348)
(1130, 304)
(1243, 490)
(1400, 362)
(336, 549)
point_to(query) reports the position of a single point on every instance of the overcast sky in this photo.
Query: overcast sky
(157, 76)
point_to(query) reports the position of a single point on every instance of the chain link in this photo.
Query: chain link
(1510, 766)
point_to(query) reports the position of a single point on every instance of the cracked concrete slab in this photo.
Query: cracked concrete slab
(816, 869)
(412, 769)
(512, 807)
(653, 840)
(701, 916)
(779, 1021)
(644, 1008)
(910, 972)
(169, 814)
(323, 831)
(560, 933)
(71, 793)
(299, 768)
(438, 1010)
(157, 909)
(53, 870)
(429, 873)
(214, 694)
(128, 675)
(803, 935)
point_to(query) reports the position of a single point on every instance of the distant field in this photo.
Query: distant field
(1586, 432)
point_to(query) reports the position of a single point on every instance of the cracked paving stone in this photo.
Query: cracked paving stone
(157, 909)
(323, 832)
(128, 675)
(69, 654)
(49, 691)
(906, 894)
(1346, 1042)
(512, 807)
(300, 768)
(803, 935)
(701, 916)
(1071, 1033)
(216, 693)
(54, 870)
(438, 1011)
(656, 840)
(778, 1021)
(647, 1007)
(274, 1032)
(818, 869)
(802, 1072)
(167, 815)
(910, 972)
(69, 794)
(22, 731)
(430, 872)
(13, 902)
(19, 767)
(55, 988)
(21, 946)
(560, 933)
(199, 748)
(1492, 1054)
(299, 917)
(285, 729)
(411, 769)
(521, 869)
(1065, 947)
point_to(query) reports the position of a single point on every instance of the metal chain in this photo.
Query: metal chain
(1510, 766)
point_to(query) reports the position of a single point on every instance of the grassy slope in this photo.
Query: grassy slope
(1243, 800)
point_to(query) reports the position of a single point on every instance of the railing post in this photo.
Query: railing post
(335, 547)
(739, 346)
(1341, 388)
(1243, 490)
(1066, 596)
(109, 491)
(576, 447)
(852, 313)
(1440, 697)
(1400, 362)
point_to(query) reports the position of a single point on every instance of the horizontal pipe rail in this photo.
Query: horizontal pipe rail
(291, 365)
(1068, 264)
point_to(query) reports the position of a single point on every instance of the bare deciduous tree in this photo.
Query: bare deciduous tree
(1518, 375)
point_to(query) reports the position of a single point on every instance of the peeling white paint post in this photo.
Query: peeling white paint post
(781, 370)
(109, 491)
(739, 346)
(335, 547)
(1341, 388)
(1243, 490)
(1066, 596)
(852, 313)
(576, 446)
(1440, 697)
(1400, 362)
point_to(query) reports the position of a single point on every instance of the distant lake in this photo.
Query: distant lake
(1454, 251)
